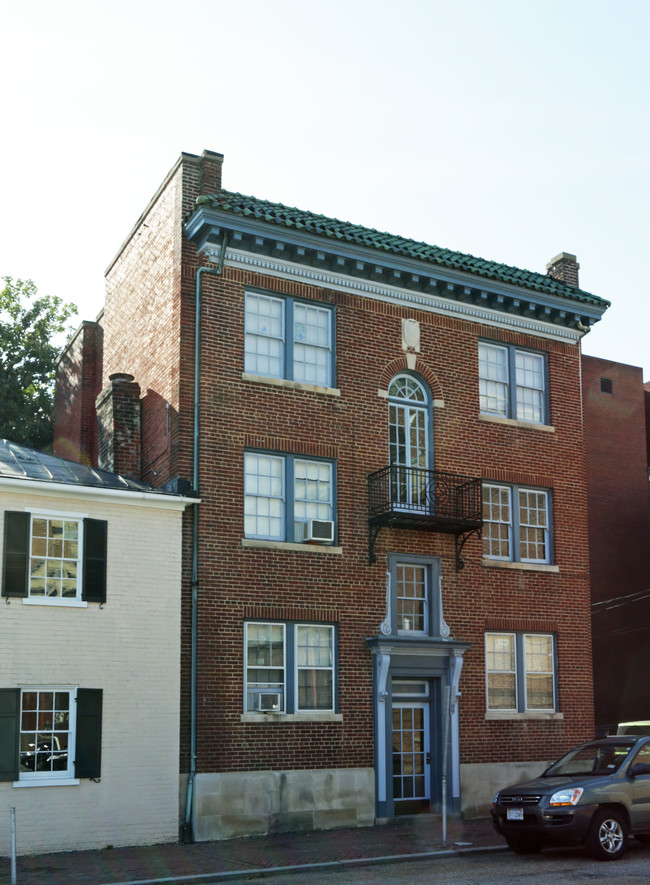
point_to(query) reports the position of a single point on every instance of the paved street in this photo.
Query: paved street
(408, 852)
(551, 867)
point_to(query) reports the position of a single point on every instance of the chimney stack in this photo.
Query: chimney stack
(119, 426)
(564, 267)
(211, 165)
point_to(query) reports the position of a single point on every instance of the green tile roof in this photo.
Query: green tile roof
(344, 231)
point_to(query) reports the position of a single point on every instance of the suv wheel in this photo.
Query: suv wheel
(607, 837)
(522, 846)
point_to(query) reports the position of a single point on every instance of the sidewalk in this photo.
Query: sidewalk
(240, 858)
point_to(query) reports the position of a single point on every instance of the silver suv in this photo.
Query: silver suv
(598, 794)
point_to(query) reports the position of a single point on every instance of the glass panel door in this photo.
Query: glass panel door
(408, 455)
(411, 757)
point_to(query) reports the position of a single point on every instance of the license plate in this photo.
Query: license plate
(515, 814)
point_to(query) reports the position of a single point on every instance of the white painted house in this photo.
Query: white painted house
(89, 655)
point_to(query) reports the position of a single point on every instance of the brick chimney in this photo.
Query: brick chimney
(564, 267)
(119, 425)
(211, 165)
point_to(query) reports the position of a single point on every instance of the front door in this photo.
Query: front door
(411, 757)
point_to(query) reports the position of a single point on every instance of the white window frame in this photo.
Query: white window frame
(253, 688)
(509, 391)
(521, 672)
(425, 569)
(515, 524)
(289, 500)
(51, 778)
(283, 346)
(290, 687)
(36, 599)
(252, 507)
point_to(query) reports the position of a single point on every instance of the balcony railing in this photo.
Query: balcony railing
(428, 500)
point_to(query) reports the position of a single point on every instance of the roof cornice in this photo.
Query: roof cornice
(505, 291)
(489, 310)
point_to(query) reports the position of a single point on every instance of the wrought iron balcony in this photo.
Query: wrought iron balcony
(427, 500)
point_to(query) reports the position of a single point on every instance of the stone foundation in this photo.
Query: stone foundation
(479, 783)
(260, 802)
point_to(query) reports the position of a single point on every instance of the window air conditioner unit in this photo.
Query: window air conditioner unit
(268, 702)
(319, 530)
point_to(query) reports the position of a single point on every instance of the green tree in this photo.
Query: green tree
(29, 325)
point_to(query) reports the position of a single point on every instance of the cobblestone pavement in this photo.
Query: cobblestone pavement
(251, 856)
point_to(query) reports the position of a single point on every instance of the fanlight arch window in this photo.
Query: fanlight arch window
(408, 388)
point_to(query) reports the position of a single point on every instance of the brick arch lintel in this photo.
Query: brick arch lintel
(400, 364)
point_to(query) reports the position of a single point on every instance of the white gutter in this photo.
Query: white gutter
(129, 497)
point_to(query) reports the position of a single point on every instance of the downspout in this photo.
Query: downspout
(188, 829)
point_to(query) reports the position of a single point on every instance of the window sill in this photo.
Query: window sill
(508, 715)
(520, 566)
(291, 718)
(512, 422)
(48, 782)
(291, 385)
(61, 603)
(290, 546)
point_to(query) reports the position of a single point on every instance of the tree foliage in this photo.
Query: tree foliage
(29, 327)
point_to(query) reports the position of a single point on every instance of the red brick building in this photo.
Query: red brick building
(619, 538)
(387, 592)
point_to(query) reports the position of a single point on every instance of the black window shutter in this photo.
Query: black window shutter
(88, 749)
(15, 566)
(94, 578)
(9, 733)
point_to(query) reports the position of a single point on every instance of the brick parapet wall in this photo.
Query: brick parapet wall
(619, 533)
(78, 382)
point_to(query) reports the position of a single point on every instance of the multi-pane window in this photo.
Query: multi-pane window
(51, 734)
(289, 339)
(54, 565)
(264, 337)
(312, 485)
(264, 498)
(46, 733)
(414, 607)
(311, 344)
(290, 667)
(516, 524)
(315, 667)
(512, 383)
(265, 664)
(54, 558)
(412, 598)
(283, 492)
(520, 672)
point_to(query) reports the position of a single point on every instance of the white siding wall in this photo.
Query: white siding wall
(130, 648)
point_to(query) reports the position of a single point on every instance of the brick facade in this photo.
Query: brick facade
(149, 333)
(619, 534)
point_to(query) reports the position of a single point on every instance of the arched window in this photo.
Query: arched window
(410, 443)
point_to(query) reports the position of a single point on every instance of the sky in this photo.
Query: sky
(507, 129)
